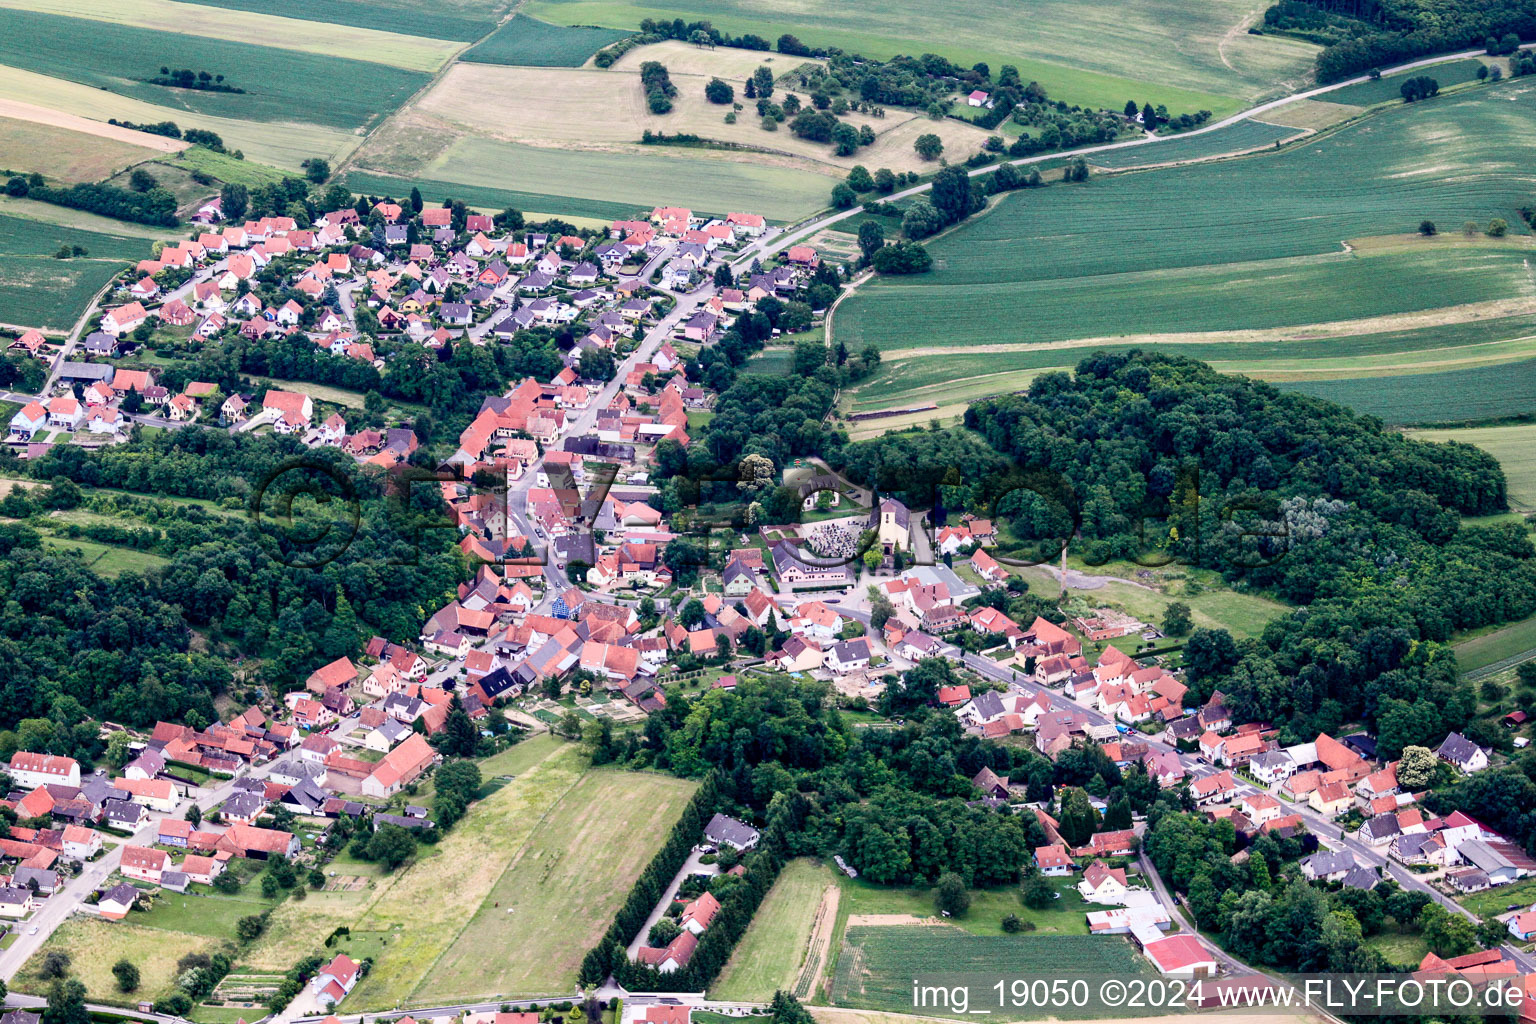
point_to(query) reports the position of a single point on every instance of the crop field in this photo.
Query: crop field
(562, 888)
(287, 33)
(534, 43)
(95, 945)
(769, 955)
(1389, 89)
(588, 108)
(460, 21)
(281, 85)
(284, 144)
(64, 154)
(1483, 393)
(877, 963)
(483, 198)
(1148, 257)
(49, 293)
(1195, 56)
(21, 236)
(1241, 137)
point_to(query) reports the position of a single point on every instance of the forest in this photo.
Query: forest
(240, 600)
(1160, 459)
(1363, 34)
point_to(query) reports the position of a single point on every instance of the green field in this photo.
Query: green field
(281, 85)
(23, 236)
(561, 889)
(530, 42)
(1189, 57)
(409, 17)
(95, 945)
(1389, 89)
(211, 916)
(1151, 256)
(769, 956)
(39, 292)
(876, 966)
(484, 172)
(1475, 394)
(224, 167)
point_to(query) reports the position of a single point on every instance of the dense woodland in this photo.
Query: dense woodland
(1359, 35)
(164, 644)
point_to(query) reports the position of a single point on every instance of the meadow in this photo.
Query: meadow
(562, 888)
(1206, 255)
(64, 154)
(1514, 641)
(460, 21)
(282, 85)
(877, 965)
(489, 198)
(49, 293)
(770, 954)
(1189, 57)
(23, 236)
(534, 43)
(287, 33)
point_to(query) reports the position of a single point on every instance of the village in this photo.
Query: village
(590, 600)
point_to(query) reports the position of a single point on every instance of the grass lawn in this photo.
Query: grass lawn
(562, 887)
(985, 916)
(533, 43)
(1512, 640)
(95, 945)
(771, 953)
